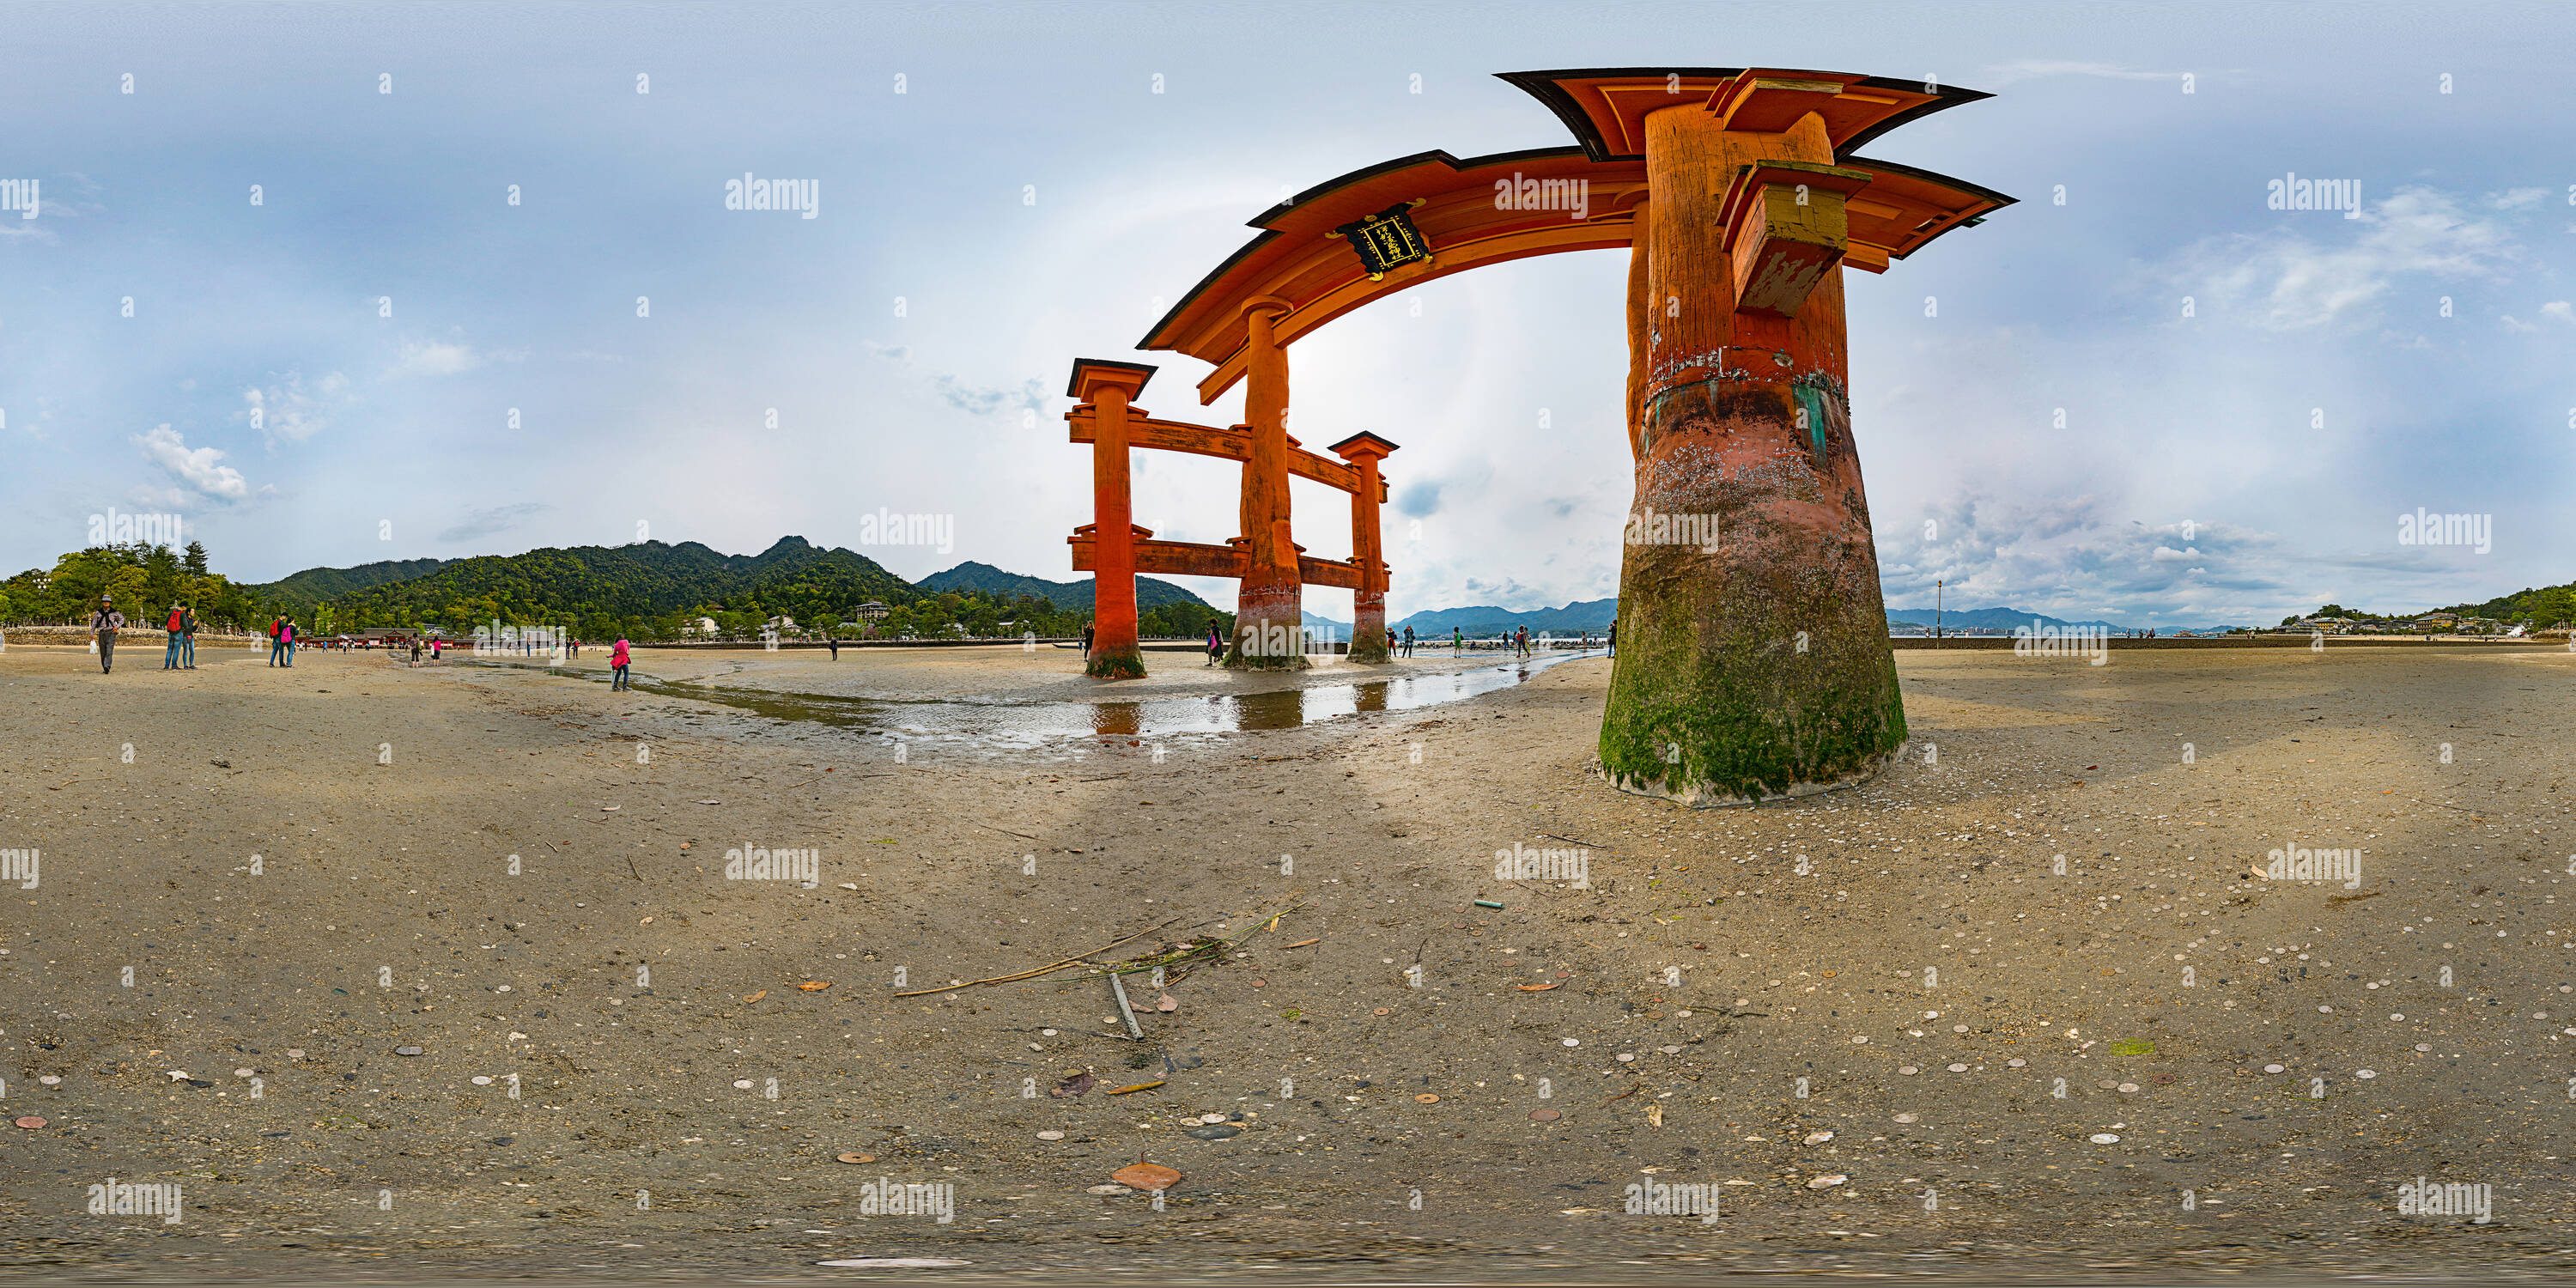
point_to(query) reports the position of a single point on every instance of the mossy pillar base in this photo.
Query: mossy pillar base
(1753, 659)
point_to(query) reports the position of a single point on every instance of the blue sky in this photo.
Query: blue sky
(328, 377)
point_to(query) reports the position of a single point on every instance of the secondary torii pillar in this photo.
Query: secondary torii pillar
(1269, 613)
(1368, 603)
(1758, 669)
(1111, 388)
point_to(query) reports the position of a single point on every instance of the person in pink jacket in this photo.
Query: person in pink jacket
(618, 661)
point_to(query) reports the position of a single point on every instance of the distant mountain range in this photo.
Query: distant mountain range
(644, 580)
(2005, 619)
(651, 579)
(1150, 593)
(1575, 618)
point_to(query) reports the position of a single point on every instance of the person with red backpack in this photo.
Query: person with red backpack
(618, 661)
(276, 647)
(178, 617)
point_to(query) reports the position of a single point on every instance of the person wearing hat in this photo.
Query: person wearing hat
(104, 624)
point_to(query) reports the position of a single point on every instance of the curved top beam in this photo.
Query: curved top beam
(1510, 205)
(1606, 107)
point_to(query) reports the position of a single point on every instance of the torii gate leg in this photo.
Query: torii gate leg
(1110, 387)
(1269, 617)
(1368, 603)
(1761, 669)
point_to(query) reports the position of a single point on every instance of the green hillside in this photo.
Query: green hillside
(602, 590)
(303, 590)
(1074, 595)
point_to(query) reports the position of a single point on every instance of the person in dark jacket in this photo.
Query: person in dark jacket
(103, 625)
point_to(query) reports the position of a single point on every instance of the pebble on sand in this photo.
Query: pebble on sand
(2105, 1138)
(1826, 1182)
(1050, 1135)
(1544, 1115)
(31, 1122)
(407, 1050)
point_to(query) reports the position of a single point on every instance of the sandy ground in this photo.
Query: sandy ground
(1903, 966)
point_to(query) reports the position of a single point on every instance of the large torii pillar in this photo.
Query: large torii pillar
(1269, 613)
(1753, 656)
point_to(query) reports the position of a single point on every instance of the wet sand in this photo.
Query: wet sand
(1728, 955)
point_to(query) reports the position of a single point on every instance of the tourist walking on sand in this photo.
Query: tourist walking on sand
(1086, 641)
(187, 637)
(1613, 637)
(286, 639)
(1457, 641)
(415, 650)
(274, 624)
(1216, 643)
(832, 644)
(618, 661)
(1408, 641)
(103, 625)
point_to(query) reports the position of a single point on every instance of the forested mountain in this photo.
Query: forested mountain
(1075, 595)
(604, 590)
(312, 586)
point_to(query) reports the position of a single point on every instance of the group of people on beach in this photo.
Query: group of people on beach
(283, 637)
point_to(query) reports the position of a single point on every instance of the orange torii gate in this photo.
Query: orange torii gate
(1269, 566)
(1754, 661)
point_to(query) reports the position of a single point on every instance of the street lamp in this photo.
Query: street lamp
(1936, 609)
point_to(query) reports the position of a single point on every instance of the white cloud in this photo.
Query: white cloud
(287, 412)
(435, 358)
(2308, 273)
(2558, 311)
(196, 468)
(2517, 198)
(2029, 69)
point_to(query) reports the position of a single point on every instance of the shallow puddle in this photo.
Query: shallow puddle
(1033, 723)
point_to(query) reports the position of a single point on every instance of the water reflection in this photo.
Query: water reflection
(1029, 723)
